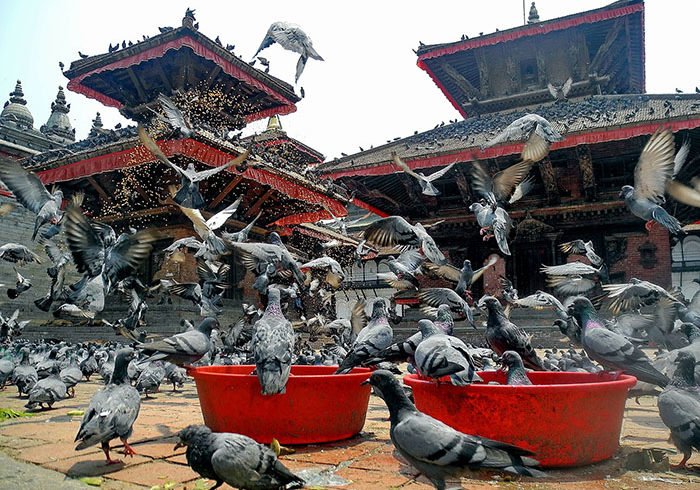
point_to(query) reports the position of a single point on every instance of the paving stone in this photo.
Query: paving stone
(156, 473)
(158, 450)
(371, 480)
(93, 464)
(54, 452)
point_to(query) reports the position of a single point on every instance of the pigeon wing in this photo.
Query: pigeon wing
(401, 164)
(681, 157)
(447, 271)
(157, 152)
(390, 231)
(85, 246)
(436, 175)
(128, 254)
(505, 181)
(172, 112)
(26, 186)
(205, 174)
(218, 220)
(654, 167)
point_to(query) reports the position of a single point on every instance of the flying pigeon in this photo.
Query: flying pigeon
(464, 277)
(234, 459)
(31, 193)
(562, 91)
(513, 364)
(19, 254)
(112, 411)
(241, 235)
(440, 355)
(182, 348)
(257, 256)
(273, 345)
(215, 246)
(426, 182)
(634, 294)
(436, 449)
(610, 349)
(503, 335)
(291, 38)
(188, 195)
(579, 247)
(21, 284)
(653, 170)
(396, 231)
(537, 132)
(435, 297)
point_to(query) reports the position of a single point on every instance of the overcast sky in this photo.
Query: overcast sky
(367, 91)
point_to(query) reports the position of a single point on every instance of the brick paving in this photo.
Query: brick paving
(366, 461)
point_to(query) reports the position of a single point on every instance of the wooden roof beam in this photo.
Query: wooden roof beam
(100, 190)
(605, 47)
(462, 83)
(258, 204)
(110, 218)
(212, 76)
(137, 84)
(227, 190)
(164, 78)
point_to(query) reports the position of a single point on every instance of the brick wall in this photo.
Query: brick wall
(658, 268)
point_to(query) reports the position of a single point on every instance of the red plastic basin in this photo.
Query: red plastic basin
(317, 407)
(566, 419)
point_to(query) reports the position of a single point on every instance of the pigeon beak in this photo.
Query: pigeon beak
(365, 382)
(178, 445)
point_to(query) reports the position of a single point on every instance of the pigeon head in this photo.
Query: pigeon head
(511, 359)
(191, 434)
(379, 308)
(690, 331)
(488, 302)
(207, 325)
(467, 264)
(579, 305)
(474, 207)
(626, 191)
(444, 314)
(274, 238)
(120, 374)
(391, 392)
(685, 373)
(427, 328)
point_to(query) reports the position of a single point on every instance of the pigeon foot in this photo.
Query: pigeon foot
(128, 450)
(649, 225)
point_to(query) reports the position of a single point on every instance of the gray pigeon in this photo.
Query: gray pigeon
(112, 411)
(292, 38)
(31, 193)
(234, 459)
(150, 378)
(436, 449)
(174, 117)
(14, 252)
(257, 256)
(610, 349)
(579, 247)
(188, 194)
(435, 297)
(71, 375)
(24, 376)
(371, 340)
(679, 407)
(425, 181)
(241, 235)
(440, 355)
(494, 222)
(396, 231)
(536, 130)
(513, 364)
(273, 345)
(503, 335)
(182, 348)
(653, 170)
(464, 277)
(48, 390)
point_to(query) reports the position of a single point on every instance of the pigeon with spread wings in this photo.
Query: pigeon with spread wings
(537, 132)
(215, 246)
(292, 38)
(425, 181)
(396, 231)
(188, 195)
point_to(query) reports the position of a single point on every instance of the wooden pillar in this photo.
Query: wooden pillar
(585, 162)
(549, 179)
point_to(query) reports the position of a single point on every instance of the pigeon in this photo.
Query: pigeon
(440, 355)
(562, 91)
(536, 130)
(48, 390)
(679, 407)
(112, 411)
(653, 170)
(174, 117)
(241, 235)
(634, 294)
(436, 449)
(513, 364)
(257, 256)
(685, 194)
(493, 218)
(579, 247)
(182, 348)
(426, 182)
(371, 340)
(57, 273)
(88, 366)
(464, 277)
(188, 195)
(434, 297)
(273, 345)
(503, 335)
(19, 254)
(334, 274)
(175, 375)
(234, 459)
(150, 378)
(396, 231)
(21, 284)
(24, 377)
(292, 38)
(215, 246)
(610, 349)
(31, 193)
(71, 376)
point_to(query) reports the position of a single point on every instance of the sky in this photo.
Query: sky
(367, 91)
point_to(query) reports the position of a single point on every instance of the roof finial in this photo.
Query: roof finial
(17, 96)
(58, 127)
(96, 128)
(274, 124)
(534, 16)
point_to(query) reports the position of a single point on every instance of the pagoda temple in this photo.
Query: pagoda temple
(125, 186)
(606, 118)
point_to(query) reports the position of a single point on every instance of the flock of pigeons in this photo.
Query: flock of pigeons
(268, 339)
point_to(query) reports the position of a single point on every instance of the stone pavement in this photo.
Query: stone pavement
(363, 462)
